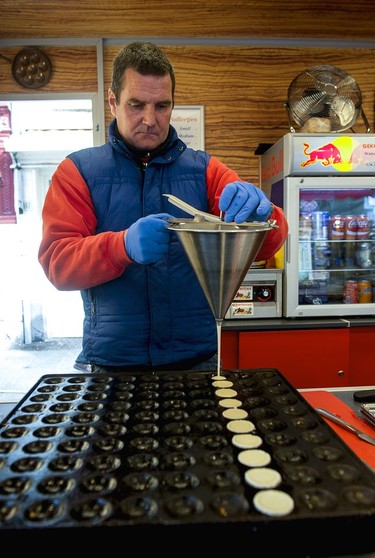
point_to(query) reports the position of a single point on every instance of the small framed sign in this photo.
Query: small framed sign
(189, 123)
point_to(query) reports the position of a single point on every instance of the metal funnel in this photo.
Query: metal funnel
(221, 254)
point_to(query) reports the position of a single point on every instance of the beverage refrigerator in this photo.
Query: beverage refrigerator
(326, 186)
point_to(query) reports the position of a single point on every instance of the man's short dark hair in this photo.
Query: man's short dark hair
(145, 58)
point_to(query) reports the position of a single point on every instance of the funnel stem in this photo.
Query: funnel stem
(218, 330)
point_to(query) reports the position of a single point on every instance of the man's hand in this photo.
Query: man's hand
(147, 240)
(242, 201)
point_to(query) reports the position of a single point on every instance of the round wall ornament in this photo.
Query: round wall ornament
(31, 68)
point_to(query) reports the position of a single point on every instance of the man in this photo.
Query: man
(105, 234)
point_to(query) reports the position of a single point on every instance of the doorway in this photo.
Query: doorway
(42, 133)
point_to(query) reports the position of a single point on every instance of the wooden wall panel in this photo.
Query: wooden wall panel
(346, 19)
(74, 70)
(243, 90)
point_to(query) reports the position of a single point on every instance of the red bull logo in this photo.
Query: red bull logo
(327, 154)
(339, 153)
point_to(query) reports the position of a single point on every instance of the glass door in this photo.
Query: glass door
(329, 260)
(41, 133)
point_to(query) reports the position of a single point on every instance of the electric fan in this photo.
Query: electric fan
(324, 98)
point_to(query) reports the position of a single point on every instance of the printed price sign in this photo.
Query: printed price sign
(189, 123)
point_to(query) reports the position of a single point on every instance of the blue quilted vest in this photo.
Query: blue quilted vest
(152, 314)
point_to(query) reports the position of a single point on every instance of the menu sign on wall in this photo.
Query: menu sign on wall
(189, 123)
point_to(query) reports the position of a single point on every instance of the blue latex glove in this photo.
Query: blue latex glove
(242, 201)
(147, 240)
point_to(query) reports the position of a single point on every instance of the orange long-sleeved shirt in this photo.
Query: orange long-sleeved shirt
(74, 257)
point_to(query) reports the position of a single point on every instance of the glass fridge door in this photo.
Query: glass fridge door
(330, 257)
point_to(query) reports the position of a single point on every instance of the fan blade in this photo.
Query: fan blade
(325, 92)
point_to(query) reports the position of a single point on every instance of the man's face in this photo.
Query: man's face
(144, 111)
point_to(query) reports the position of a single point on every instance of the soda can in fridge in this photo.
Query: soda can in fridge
(364, 291)
(304, 245)
(351, 292)
(363, 255)
(337, 235)
(321, 254)
(350, 238)
(363, 227)
(320, 225)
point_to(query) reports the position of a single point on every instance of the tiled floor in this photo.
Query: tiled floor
(22, 365)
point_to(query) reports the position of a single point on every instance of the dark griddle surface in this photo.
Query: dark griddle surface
(143, 456)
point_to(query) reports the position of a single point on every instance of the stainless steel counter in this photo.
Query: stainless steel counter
(265, 324)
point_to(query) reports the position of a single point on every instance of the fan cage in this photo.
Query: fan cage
(325, 92)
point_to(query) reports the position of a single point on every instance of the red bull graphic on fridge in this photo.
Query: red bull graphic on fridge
(307, 154)
(344, 154)
(326, 185)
